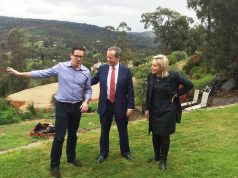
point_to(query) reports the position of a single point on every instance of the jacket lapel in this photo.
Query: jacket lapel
(104, 76)
(119, 76)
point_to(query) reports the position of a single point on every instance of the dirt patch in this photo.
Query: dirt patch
(41, 96)
(18, 104)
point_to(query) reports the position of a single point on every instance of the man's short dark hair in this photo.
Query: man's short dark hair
(77, 48)
(116, 49)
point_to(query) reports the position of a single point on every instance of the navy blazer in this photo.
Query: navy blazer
(124, 97)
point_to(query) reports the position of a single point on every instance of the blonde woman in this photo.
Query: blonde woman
(163, 107)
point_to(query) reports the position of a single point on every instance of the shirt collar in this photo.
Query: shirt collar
(82, 67)
(116, 66)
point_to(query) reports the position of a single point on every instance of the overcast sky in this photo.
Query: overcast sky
(96, 12)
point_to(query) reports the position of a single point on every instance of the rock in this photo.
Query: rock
(229, 85)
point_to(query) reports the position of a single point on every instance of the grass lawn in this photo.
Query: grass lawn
(205, 145)
(15, 135)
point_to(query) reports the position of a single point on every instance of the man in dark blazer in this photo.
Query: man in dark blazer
(116, 99)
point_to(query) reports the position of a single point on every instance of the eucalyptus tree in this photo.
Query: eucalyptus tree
(170, 28)
(18, 53)
(221, 19)
(124, 42)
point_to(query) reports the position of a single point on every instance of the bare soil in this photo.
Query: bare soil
(40, 96)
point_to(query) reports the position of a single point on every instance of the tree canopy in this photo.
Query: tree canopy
(221, 19)
(170, 28)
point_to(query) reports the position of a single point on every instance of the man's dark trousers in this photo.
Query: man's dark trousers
(67, 117)
(106, 121)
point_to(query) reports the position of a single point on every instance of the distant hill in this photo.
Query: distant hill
(65, 32)
(51, 29)
(142, 39)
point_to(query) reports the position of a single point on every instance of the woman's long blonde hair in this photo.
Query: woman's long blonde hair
(163, 62)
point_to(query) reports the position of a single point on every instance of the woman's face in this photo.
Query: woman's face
(155, 67)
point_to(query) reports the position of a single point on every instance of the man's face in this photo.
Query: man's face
(77, 57)
(112, 60)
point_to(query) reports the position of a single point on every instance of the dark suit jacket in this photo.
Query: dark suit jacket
(124, 97)
(172, 87)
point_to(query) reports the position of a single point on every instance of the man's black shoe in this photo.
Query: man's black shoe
(76, 163)
(54, 172)
(101, 158)
(127, 156)
(162, 165)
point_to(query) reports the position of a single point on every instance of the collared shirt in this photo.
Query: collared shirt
(109, 78)
(72, 83)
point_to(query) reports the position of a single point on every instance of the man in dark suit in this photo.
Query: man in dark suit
(116, 99)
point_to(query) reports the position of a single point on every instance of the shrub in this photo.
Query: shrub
(189, 65)
(9, 116)
(201, 83)
(172, 59)
(4, 104)
(180, 55)
(196, 76)
(140, 92)
(142, 71)
(196, 59)
(194, 70)
(31, 108)
(25, 115)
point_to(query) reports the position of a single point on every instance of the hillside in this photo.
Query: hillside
(65, 32)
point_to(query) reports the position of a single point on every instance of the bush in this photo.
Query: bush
(142, 71)
(196, 76)
(25, 116)
(9, 116)
(140, 92)
(4, 104)
(172, 59)
(194, 70)
(180, 55)
(139, 61)
(201, 83)
(31, 108)
(196, 59)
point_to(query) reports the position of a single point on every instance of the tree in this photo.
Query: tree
(108, 35)
(203, 10)
(170, 28)
(123, 42)
(221, 36)
(196, 39)
(18, 51)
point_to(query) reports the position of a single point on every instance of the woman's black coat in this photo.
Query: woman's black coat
(171, 87)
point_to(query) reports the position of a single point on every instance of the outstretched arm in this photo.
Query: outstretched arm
(16, 73)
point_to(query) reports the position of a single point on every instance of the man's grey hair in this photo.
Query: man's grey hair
(116, 49)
